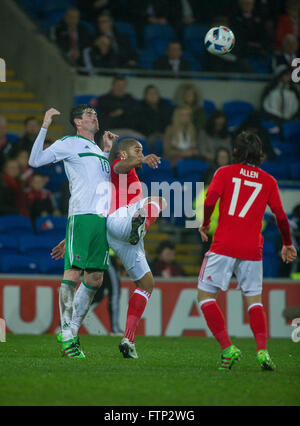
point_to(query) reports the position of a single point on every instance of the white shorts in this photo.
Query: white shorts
(217, 270)
(133, 257)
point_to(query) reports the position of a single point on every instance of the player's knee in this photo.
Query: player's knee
(146, 283)
(94, 279)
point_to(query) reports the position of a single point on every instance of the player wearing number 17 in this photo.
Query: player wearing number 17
(244, 191)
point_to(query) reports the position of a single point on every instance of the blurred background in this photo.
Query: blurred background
(142, 64)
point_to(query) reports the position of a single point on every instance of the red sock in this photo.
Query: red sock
(152, 210)
(216, 322)
(136, 307)
(258, 324)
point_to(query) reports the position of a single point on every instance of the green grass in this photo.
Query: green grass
(169, 371)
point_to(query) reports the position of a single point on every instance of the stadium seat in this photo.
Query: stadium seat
(164, 173)
(18, 264)
(86, 99)
(209, 107)
(127, 29)
(191, 169)
(49, 223)
(146, 57)
(47, 265)
(146, 148)
(57, 176)
(15, 224)
(295, 171)
(291, 131)
(277, 170)
(193, 39)
(36, 245)
(270, 261)
(8, 245)
(154, 32)
(237, 112)
(286, 150)
(259, 65)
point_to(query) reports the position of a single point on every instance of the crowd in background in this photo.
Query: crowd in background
(266, 30)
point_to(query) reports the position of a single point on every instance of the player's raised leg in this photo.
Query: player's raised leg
(136, 306)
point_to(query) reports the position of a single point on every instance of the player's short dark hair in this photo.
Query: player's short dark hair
(248, 149)
(77, 111)
(121, 145)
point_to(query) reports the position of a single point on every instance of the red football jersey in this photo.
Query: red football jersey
(244, 192)
(126, 188)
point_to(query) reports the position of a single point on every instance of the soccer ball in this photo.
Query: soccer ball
(219, 40)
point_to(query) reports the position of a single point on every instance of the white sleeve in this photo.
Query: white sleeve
(39, 156)
(61, 150)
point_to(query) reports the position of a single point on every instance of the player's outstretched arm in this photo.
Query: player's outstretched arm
(288, 254)
(38, 156)
(152, 160)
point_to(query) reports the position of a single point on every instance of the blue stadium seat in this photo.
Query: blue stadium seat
(47, 265)
(156, 31)
(36, 245)
(260, 65)
(291, 131)
(159, 46)
(195, 63)
(146, 57)
(15, 224)
(127, 29)
(237, 112)
(272, 128)
(295, 171)
(8, 245)
(146, 148)
(57, 176)
(18, 264)
(159, 147)
(209, 107)
(50, 223)
(191, 169)
(193, 39)
(86, 99)
(270, 261)
(277, 170)
(162, 174)
(286, 150)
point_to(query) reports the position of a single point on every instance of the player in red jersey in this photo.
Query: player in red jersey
(130, 216)
(244, 191)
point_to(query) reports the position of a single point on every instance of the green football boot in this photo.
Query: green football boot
(59, 338)
(228, 358)
(71, 348)
(264, 360)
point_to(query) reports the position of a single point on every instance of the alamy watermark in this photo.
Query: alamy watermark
(296, 331)
(2, 71)
(296, 71)
(2, 330)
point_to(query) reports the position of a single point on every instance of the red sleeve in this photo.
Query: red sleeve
(281, 218)
(113, 165)
(214, 192)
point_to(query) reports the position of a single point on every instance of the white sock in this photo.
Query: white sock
(66, 297)
(82, 301)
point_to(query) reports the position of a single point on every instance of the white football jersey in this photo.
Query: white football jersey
(88, 171)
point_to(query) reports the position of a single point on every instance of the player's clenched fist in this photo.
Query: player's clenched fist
(152, 160)
(48, 117)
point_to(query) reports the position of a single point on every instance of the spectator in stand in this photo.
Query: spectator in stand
(120, 43)
(6, 141)
(288, 23)
(189, 95)
(280, 99)
(26, 172)
(253, 124)
(290, 51)
(71, 36)
(172, 61)
(100, 55)
(215, 135)
(154, 114)
(180, 138)
(12, 196)
(118, 108)
(40, 201)
(164, 265)
(222, 159)
(31, 130)
(90, 9)
(250, 34)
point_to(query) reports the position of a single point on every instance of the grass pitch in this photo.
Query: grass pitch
(170, 371)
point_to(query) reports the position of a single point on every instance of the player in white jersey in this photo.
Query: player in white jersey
(88, 171)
